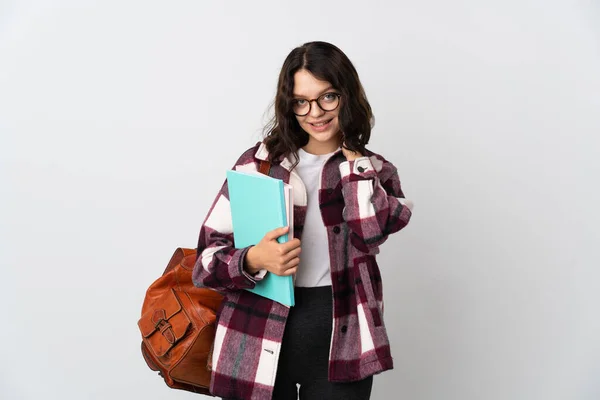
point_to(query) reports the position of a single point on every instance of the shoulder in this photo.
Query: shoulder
(249, 155)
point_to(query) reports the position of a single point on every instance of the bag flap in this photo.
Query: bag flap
(163, 308)
(164, 324)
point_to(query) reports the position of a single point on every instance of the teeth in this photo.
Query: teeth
(321, 124)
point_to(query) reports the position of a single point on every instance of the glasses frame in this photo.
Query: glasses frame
(318, 104)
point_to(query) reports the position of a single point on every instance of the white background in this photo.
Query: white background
(118, 120)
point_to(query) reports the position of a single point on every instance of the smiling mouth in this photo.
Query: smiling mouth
(320, 124)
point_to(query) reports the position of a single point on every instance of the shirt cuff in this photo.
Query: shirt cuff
(256, 277)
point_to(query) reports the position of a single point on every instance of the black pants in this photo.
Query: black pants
(304, 357)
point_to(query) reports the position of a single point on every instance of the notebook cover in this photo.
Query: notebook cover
(257, 207)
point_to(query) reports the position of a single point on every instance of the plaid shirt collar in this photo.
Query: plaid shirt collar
(263, 154)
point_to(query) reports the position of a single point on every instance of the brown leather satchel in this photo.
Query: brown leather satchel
(178, 326)
(178, 323)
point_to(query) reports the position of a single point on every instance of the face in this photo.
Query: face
(322, 126)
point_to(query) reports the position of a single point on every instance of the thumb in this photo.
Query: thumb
(275, 233)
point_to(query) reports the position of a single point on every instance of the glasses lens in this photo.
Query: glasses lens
(329, 101)
(300, 107)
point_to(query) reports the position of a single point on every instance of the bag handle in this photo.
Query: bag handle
(264, 167)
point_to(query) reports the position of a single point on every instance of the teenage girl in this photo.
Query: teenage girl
(347, 201)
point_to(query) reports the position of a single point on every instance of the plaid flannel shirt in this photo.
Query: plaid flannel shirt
(361, 204)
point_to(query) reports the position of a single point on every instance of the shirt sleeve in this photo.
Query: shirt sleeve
(220, 265)
(375, 205)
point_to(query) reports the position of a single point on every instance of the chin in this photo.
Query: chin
(333, 133)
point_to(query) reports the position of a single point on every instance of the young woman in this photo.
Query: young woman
(347, 200)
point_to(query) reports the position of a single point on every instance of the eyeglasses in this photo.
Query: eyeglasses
(326, 102)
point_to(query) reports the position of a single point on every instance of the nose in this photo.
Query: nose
(315, 110)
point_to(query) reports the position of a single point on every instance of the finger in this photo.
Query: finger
(291, 255)
(290, 271)
(282, 269)
(290, 245)
(276, 233)
(294, 262)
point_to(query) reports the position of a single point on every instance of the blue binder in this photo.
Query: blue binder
(258, 205)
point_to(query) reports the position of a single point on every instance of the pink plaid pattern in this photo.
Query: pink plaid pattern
(362, 204)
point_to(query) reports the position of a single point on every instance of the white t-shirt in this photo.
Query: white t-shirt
(314, 260)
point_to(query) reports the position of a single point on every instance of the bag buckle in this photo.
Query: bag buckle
(160, 323)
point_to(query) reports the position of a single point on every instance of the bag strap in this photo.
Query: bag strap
(264, 167)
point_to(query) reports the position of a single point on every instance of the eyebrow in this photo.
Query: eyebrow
(329, 89)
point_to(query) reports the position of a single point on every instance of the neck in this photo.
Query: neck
(319, 148)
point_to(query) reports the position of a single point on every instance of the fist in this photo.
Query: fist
(278, 258)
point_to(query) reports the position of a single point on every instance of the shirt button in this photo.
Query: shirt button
(361, 169)
(344, 329)
(336, 229)
(330, 191)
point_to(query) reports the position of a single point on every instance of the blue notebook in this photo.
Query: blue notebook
(260, 204)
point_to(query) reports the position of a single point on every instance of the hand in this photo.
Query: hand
(349, 154)
(278, 258)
